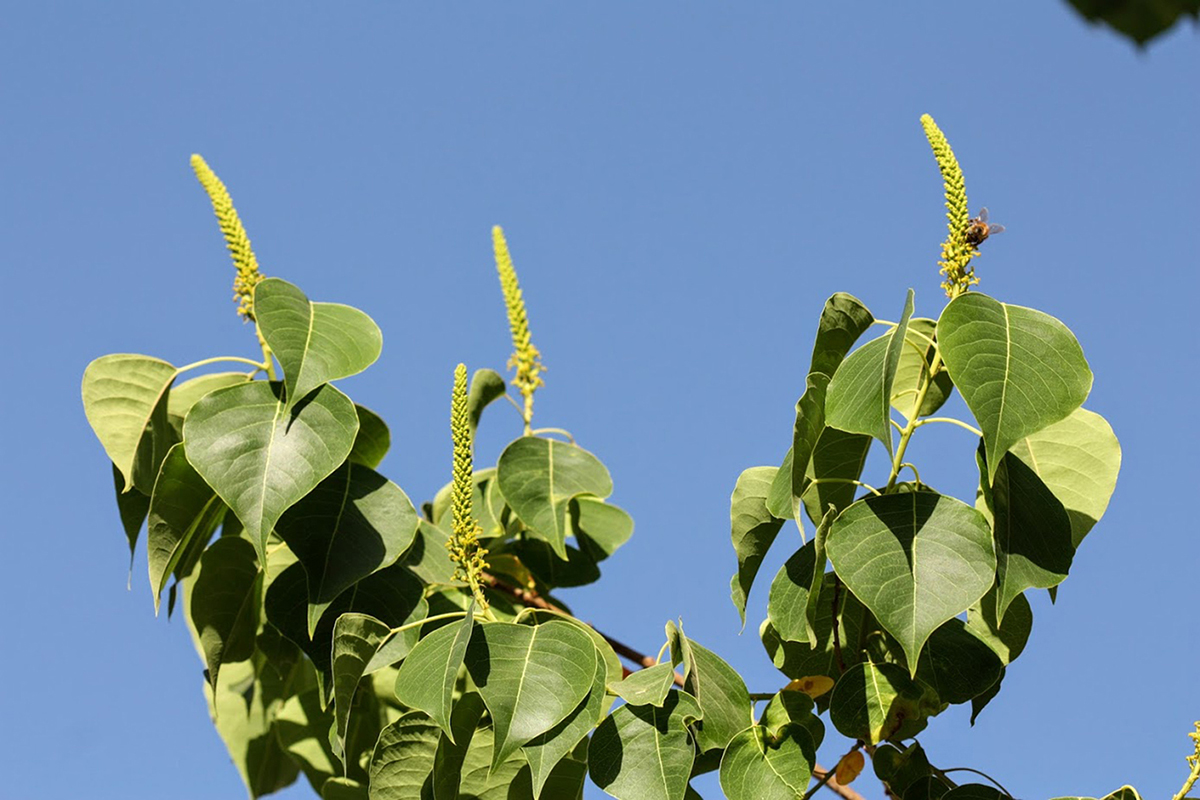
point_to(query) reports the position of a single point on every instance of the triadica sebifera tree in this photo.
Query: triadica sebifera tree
(386, 650)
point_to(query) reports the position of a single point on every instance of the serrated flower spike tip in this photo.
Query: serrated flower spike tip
(525, 358)
(236, 240)
(464, 547)
(957, 252)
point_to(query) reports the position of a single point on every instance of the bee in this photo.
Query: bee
(979, 229)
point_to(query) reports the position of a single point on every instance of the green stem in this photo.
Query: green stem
(205, 362)
(268, 359)
(562, 431)
(435, 618)
(952, 421)
(816, 481)
(907, 432)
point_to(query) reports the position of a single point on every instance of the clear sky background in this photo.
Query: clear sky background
(683, 185)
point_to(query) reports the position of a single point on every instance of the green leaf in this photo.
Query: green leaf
(900, 768)
(428, 558)
(1019, 370)
(402, 763)
(124, 398)
(182, 507)
(757, 766)
(530, 677)
(260, 460)
(980, 701)
(843, 320)
(806, 432)
(779, 496)
(1032, 531)
(1124, 793)
(450, 756)
(482, 781)
(717, 688)
(343, 789)
(644, 752)
(926, 788)
(599, 527)
(647, 686)
(791, 707)
(1007, 640)
(1139, 21)
(302, 728)
(915, 361)
(577, 570)
(838, 458)
(957, 665)
(354, 523)
(426, 678)
(373, 439)
(915, 560)
(224, 603)
(753, 529)
(185, 395)
(877, 702)
(1078, 459)
(545, 751)
(132, 507)
(356, 640)
(787, 604)
(315, 342)
(539, 478)
(486, 386)
(974, 791)
(859, 396)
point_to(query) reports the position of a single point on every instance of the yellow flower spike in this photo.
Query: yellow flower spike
(525, 358)
(957, 252)
(236, 240)
(464, 547)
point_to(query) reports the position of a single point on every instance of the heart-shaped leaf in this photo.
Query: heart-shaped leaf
(1007, 640)
(530, 677)
(876, 702)
(185, 395)
(539, 478)
(957, 665)
(1018, 370)
(792, 707)
(757, 766)
(753, 529)
(356, 639)
(125, 400)
(373, 439)
(224, 603)
(426, 678)
(545, 751)
(787, 603)
(717, 688)
(647, 686)
(860, 394)
(352, 524)
(315, 342)
(402, 763)
(842, 321)
(914, 560)
(1078, 459)
(599, 527)
(916, 360)
(182, 507)
(644, 752)
(486, 386)
(262, 460)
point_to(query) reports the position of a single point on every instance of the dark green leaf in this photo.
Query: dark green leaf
(915, 560)
(644, 752)
(373, 439)
(974, 791)
(224, 603)
(787, 604)
(843, 320)
(1019, 370)
(539, 478)
(979, 702)
(779, 496)
(806, 432)
(599, 527)
(900, 768)
(356, 640)
(1007, 640)
(789, 706)
(314, 342)
(753, 530)
(448, 761)
(758, 766)
(260, 460)
(486, 386)
(428, 558)
(426, 678)
(578, 569)
(859, 396)
(530, 677)
(352, 524)
(545, 751)
(182, 507)
(185, 395)
(402, 764)
(1137, 19)
(133, 507)
(877, 702)
(926, 788)
(957, 664)
(717, 688)
(838, 458)
(343, 789)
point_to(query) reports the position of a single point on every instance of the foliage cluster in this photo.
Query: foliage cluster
(385, 652)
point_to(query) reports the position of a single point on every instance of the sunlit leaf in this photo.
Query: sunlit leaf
(644, 752)
(545, 751)
(225, 602)
(793, 707)
(842, 321)
(758, 766)
(599, 527)
(753, 529)
(837, 461)
(647, 686)
(185, 395)
(426, 678)
(876, 702)
(486, 386)
(806, 432)
(402, 764)
(915, 361)
(356, 640)
(373, 439)
(182, 507)
(849, 767)
(716, 687)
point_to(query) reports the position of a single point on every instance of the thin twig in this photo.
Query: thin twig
(837, 644)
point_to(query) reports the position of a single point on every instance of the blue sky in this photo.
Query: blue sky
(682, 185)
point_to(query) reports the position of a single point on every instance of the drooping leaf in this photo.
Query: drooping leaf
(915, 361)
(124, 398)
(1137, 20)
(599, 527)
(878, 702)
(352, 524)
(838, 459)
(486, 386)
(1032, 531)
(915, 560)
(806, 432)
(717, 688)
(980, 701)
(545, 751)
(530, 677)
(182, 507)
(791, 707)
(758, 766)
(787, 604)
(356, 640)
(1018, 370)
(842, 321)
(260, 460)
(647, 686)
(1007, 640)
(402, 764)
(224, 603)
(426, 678)
(315, 342)
(859, 396)
(957, 665)
(133, 506)
(753, 529)
(373, 439)
(452, 753)
(643, 752)
(539, 478)
(1078, 459)
(779, 496)
(185, 395)
(397, 645)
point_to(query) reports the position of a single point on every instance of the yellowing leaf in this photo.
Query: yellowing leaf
(849, 768)
(812, 685)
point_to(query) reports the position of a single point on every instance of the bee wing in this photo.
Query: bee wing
(983, 217)
(994, 229)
